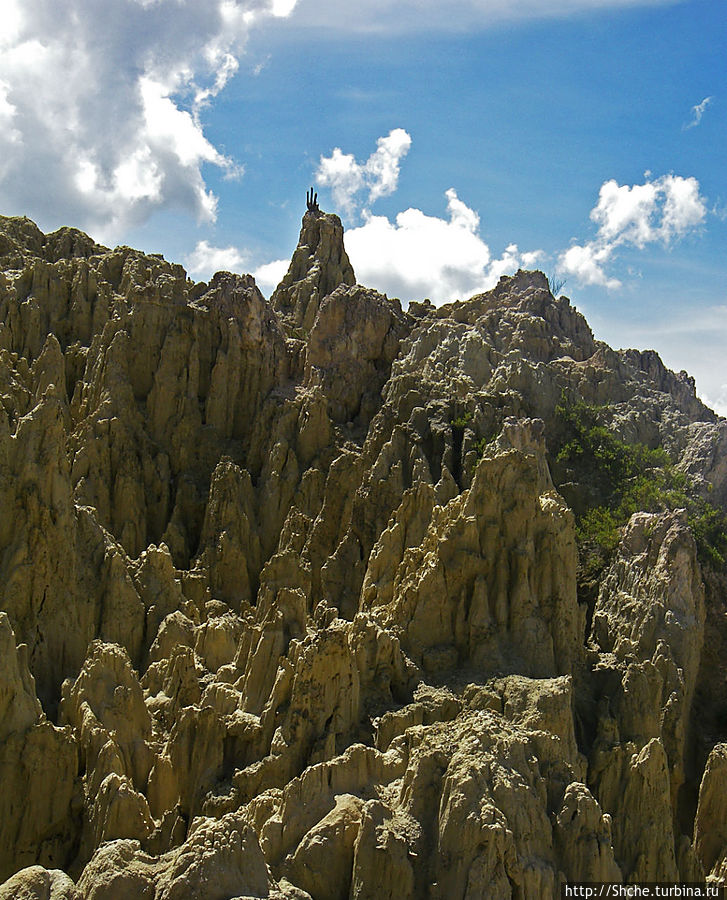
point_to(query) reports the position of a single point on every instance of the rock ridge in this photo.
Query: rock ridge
(293, 600)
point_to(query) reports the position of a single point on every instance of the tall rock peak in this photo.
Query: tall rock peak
(319, 265)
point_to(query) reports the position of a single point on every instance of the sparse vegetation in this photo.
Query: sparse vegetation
(481, 445)
(625, 478)
(462, 420)
(556, 285)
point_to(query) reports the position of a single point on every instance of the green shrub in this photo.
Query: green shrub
(481, 446)
(461, 421)
(627, 478)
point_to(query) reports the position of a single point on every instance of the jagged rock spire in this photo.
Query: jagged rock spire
(319, 265)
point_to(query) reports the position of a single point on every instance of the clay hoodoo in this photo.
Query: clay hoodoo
(323, 598)
(319, 265)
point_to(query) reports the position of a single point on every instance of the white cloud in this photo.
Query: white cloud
(684, 207)
(585, 263)
(419, 256)
(416, 255)
(205, 260)
(697, 113)
(531, 258)
(661, 211)
(624, 213)
(343, 175)
(100, 121)
(11, 136)
(717, 400)
(269, 276)
(379, 175)
(283, 8)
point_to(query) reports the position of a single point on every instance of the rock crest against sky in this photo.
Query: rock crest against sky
(190, 129)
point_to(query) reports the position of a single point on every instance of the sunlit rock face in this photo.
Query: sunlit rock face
(319, 265)
(296, 600)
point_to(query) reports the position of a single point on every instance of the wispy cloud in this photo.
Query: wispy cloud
(697, 113)
(379, 175)
(392, 16)
(709, 322)
(102, 125)
(259, 66)
(691, 338)
(663, 211)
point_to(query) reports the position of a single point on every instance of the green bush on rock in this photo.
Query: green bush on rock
(625, 478)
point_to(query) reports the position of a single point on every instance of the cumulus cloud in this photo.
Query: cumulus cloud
(663, 210)
(585, 262)
(379, 175)
(418, 256)
(100, 105)
(205, 260)
(697, 113)
(269, 276)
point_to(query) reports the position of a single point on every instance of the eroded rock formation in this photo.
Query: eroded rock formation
(291, 598)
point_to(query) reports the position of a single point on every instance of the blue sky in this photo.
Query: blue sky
(457, 141)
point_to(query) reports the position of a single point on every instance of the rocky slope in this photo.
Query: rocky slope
(291, 596)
